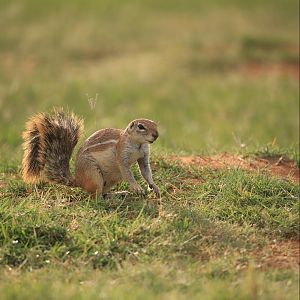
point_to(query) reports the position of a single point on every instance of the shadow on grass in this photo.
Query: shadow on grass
(18, 240)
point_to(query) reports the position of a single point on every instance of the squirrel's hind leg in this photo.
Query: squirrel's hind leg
(88, 176)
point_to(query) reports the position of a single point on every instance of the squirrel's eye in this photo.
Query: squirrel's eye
(140, 126)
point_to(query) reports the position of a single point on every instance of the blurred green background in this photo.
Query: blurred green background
(217, 75)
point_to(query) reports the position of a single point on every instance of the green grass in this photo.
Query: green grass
(177, 64)
(206, 233)
(146, 282)
(217, 76)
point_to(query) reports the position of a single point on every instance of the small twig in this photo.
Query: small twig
(279, 161)
(22, 264)
(192, 238)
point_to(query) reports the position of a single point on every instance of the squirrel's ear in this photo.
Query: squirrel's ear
(131, 126)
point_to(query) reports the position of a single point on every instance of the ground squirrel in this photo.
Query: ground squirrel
(102, 161)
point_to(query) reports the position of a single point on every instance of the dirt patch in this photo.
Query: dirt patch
(276, 69)
(279, 167)
(282, 255)
(3, 185)
(193, 181)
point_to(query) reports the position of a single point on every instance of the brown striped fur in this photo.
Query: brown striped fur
(98, 141)
(104, 135)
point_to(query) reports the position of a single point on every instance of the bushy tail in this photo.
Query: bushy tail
(49, 140)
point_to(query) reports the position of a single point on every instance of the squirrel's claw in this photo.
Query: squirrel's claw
(155, 189)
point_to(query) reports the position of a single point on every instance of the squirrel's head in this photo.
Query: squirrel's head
(142, 131)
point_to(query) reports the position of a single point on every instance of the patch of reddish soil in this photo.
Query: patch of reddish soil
(2, 186)
(262, 69)
(284, 254)
(278, 167)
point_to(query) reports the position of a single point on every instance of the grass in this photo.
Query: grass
(134, 281)
(210, 231)
(217, 76)
(128, 66)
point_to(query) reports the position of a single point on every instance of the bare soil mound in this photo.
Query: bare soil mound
(281, 167)
(283, 254)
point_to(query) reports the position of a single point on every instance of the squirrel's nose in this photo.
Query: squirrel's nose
(155, 135)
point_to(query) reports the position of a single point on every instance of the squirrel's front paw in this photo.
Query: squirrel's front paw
(155, 189)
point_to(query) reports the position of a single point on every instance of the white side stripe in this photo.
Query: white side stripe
(103, 143)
